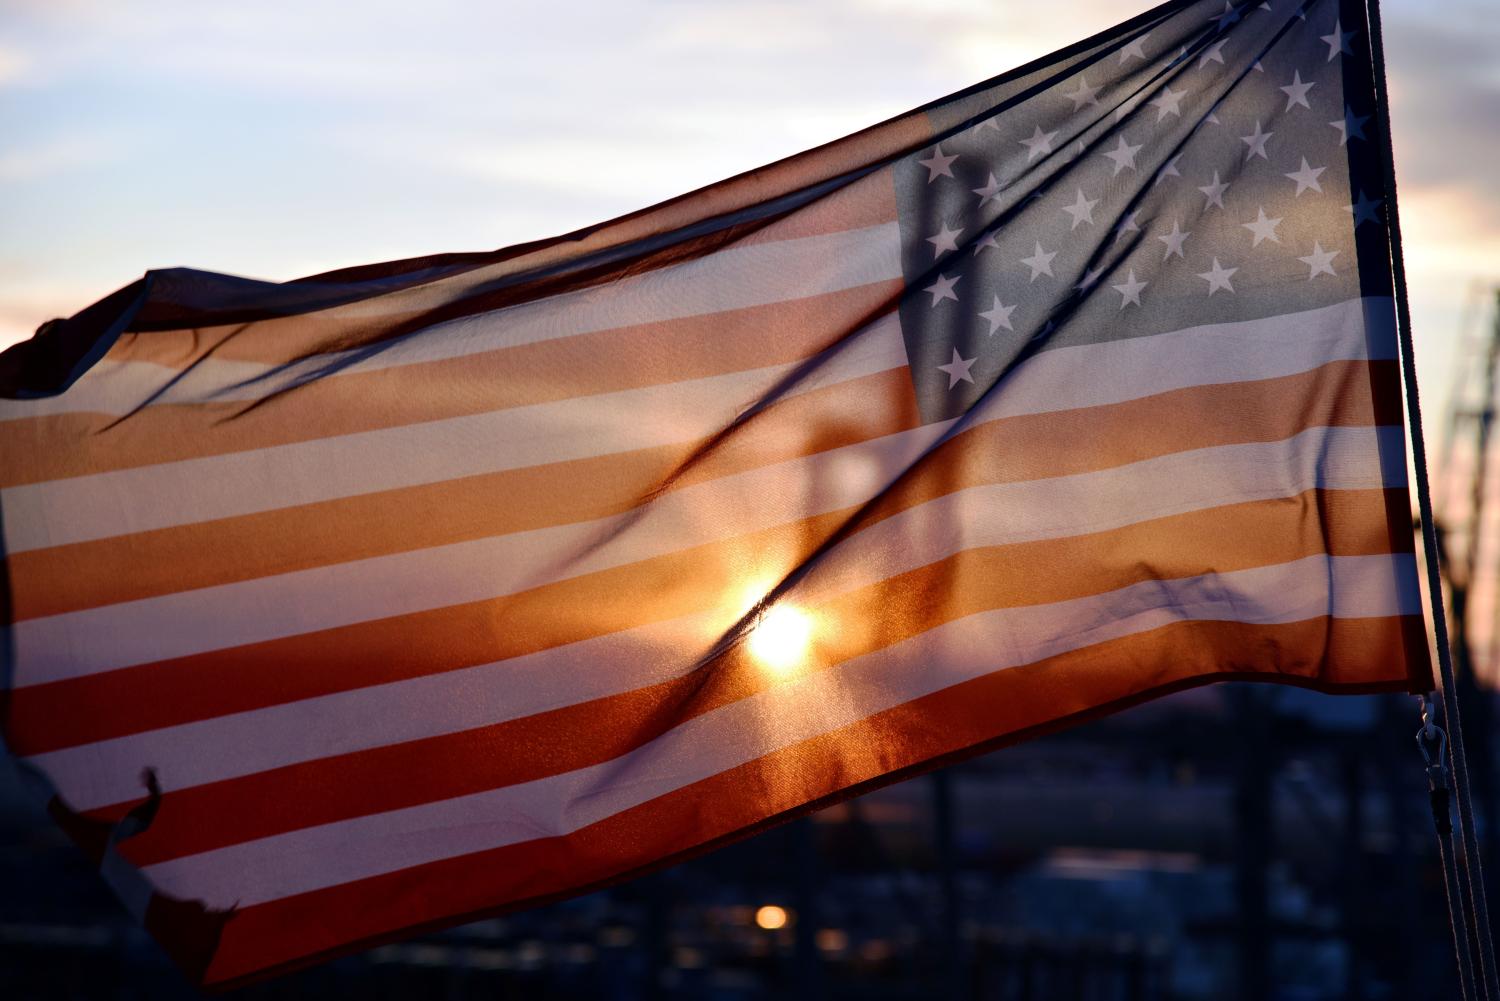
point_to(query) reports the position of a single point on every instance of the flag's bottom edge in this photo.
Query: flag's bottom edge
(170, 936)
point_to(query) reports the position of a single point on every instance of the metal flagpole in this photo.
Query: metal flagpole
(1446, 686)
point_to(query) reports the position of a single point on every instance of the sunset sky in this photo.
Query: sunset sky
(279, 139)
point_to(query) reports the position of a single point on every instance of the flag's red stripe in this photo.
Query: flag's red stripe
(1237, 537)
(131, 700)
(203, 554)
(1324, 653)
(90, 574)
(868, 201)
(657, 354)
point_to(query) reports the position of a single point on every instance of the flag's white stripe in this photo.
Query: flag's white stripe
(733, 278)
(225, 747)
(158, 496)
(88, 641)
(109, 771)
(328, 855)
(92, 640)
(142, 498)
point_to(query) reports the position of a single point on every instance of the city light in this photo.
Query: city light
(770, 917)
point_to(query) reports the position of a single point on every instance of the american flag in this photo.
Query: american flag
(399, 595)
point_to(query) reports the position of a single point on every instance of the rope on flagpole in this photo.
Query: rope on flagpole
(1468, 843)
(1433, 743)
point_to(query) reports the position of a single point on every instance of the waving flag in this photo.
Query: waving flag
(402, 594)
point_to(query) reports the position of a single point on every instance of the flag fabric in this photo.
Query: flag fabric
(394, 596)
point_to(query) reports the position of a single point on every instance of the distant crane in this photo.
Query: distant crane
(1464, 467)
(1469, 542)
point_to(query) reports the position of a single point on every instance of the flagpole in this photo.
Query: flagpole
(1438, 774)
(1446, 684)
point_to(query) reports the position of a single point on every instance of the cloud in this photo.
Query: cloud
(13, 65)
(1445, 99)
(973, 40)
(53, 156)
(320, 139)
(1449, 234)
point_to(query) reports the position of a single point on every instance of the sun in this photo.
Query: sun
(780, 640)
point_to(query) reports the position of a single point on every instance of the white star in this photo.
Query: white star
(1083, 95)
(1263, 228)
(1090, 278)
(1230, 16)
(988, 123)
(1130, 290)
(1218, 278)
(1169, 170)
(1338, 41)
(1213, 54)
(1296, 91)
(1123, 155)
(1129, 225)
(1134, 48)
(1212, 117)
(1215, 192)
(943, 288)
(1307, 177)
(990, 192)
(1173, 240)
(938, 165)
(1319, 261)
(1082, 210)
(1257, 67)
(1040, 262)
(1351, 126)
(999, 316)
(987, 240)
(1039, 143)
(1257, 143)
(1364, 209)
(958, 369)
(1166, 103)
(945, 241)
